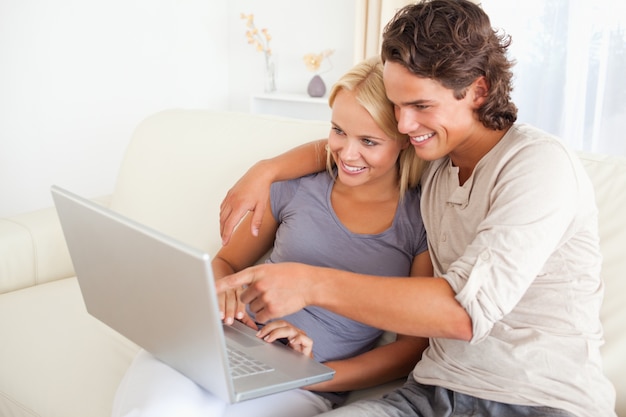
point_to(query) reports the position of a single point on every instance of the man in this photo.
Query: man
(512, 311)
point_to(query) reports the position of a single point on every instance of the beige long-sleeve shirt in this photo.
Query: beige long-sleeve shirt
(518, 242)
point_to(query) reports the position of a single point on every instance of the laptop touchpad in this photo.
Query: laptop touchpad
(243, 339)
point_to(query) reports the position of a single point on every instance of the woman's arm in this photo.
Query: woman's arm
(251, 192)
(377, 366)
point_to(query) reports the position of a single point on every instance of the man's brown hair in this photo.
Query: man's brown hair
(453, 42)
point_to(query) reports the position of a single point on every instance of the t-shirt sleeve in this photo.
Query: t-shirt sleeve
(281, 193)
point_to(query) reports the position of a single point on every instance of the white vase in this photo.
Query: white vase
(270, 74)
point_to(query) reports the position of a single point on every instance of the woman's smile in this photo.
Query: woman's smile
(352, 169)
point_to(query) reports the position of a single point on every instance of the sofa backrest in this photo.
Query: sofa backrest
(179, 165)
(608, 175)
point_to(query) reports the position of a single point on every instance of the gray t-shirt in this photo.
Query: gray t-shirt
(518, 243)
(309, 232)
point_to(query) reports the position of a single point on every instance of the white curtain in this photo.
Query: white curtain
(371, 18)
(570, 76)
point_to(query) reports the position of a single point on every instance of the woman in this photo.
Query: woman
(359, 215)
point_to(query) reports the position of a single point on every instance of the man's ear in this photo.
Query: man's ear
(479, 89)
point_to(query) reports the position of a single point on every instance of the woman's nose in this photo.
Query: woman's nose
(350, 151)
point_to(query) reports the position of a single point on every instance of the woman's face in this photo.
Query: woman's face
(362, 151)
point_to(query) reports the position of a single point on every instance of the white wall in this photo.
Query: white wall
(76, 77)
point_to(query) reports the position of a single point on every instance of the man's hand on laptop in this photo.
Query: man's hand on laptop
(272, 290)
(231, 308)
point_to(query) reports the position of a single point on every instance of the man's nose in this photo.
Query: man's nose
(407, 122)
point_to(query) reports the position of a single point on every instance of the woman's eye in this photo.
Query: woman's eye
(337, 131)
(368, 142)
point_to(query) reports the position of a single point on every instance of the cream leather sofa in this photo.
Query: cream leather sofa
(57, 361)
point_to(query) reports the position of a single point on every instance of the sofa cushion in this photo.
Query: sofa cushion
(55, 359)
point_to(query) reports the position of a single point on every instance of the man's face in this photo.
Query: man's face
(437, 123)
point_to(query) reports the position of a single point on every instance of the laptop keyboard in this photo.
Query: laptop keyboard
(244, 365)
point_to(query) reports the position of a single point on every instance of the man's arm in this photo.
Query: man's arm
(252, 190)
(244, 250)
(383, 363)
(418, 306)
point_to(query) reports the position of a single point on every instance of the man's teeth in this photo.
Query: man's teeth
(422, 138)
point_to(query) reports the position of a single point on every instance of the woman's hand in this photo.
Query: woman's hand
(297, 338)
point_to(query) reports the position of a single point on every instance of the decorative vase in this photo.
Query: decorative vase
(270, 74)
(316, 87)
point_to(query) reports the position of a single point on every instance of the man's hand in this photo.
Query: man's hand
(272, 290)
(250, 193)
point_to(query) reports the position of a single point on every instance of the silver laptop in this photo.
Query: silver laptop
(160, 293)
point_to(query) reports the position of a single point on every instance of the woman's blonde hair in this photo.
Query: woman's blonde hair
(365, 80)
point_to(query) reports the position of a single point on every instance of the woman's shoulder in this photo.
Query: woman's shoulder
(302, 190)
(311, 180)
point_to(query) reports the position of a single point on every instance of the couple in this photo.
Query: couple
(511, 309)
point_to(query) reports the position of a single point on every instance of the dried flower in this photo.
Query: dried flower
(259, 39)
(313, 62)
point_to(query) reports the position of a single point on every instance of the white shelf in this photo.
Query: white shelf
(299, 106)
(303, 98)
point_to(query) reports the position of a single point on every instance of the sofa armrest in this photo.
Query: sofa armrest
(33, 250)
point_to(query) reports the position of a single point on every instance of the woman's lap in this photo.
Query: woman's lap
(152, 389)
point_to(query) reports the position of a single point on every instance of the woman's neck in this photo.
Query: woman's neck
(366, 209)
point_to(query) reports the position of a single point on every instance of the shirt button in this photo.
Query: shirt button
(485, 256)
